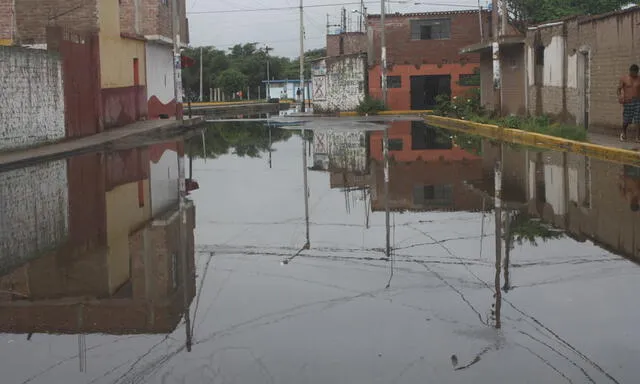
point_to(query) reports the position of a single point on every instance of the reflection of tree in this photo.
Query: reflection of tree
(524, 228)
(244, 139)
(470, 143)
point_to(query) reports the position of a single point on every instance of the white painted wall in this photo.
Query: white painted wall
(164, 182)
(531, 68)
(554, 187)
(31, 98)
(160, 72)
(34, 207)
(340, 149)
(572, 71)
(343, 83)
(553, 61)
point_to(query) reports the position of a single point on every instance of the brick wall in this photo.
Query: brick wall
(32, 98)
(400, 98)
(7, 21)
(33, 16)
(339, 84)
(401, 49)
(34, 204)
(611, 47)
(405, 177)
(352, 43)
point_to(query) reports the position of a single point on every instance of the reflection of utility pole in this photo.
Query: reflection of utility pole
(183, 248)
(270, 163)
(498, 219)
(507, 252)
(306, 187)
(386, 190)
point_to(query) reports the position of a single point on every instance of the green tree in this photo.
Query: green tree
(528, 12)
(231, 80)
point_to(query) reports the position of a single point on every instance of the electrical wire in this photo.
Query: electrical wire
(288, 8)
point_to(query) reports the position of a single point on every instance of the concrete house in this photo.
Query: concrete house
(564, 68)
(119, 61)
(423, 56)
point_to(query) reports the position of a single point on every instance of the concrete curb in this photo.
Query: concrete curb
(389, 113)
(92, 143)
(515, 136)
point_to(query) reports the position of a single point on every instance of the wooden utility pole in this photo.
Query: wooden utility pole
(497, 79)
(383, 52)
(177, 58)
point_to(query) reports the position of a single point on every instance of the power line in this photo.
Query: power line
(317, 6)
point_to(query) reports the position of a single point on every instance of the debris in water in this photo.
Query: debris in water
(454, 360)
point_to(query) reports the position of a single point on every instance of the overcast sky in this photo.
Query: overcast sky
(280, 28)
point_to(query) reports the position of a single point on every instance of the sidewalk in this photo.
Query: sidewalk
(612, 141)
(14, 159)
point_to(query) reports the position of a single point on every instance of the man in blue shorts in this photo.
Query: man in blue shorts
(629, 97)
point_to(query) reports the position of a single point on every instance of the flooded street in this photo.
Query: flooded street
(107, 279)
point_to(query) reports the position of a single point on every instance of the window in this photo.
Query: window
(439, 195)
(165, 2)
(431, 29)
(394, 145)
(393, 81)
(469, 80)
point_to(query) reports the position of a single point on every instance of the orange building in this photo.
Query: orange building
(423, 56)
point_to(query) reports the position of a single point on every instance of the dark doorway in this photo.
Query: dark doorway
(424, 90)
(424, 136)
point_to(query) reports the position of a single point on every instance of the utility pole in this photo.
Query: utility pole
(497, 81)
(201, 97)
(177, 59)
(383, 53)
(480, 21)
(301, 55)
(268, 87)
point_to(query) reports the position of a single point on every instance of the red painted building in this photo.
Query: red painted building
(423, 56)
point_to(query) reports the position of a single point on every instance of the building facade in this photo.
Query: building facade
(564, 68)
(129, 50)
(339, 83)
(423, 56)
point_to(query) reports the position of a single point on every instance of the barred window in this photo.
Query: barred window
(431, 29)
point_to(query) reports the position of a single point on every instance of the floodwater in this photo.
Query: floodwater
(103, 282)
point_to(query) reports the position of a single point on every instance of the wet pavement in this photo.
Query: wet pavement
(97, 278)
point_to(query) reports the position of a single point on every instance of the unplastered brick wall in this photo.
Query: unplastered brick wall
(403, 49)
(34, 203)
(32, 98)
(7, 12)
(34, 16)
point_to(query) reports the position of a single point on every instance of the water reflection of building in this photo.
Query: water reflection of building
(589, 198)
(344, 155)
(426, 171)
(117, 269)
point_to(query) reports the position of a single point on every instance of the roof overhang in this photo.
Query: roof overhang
(163, 40)
(503, 41)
